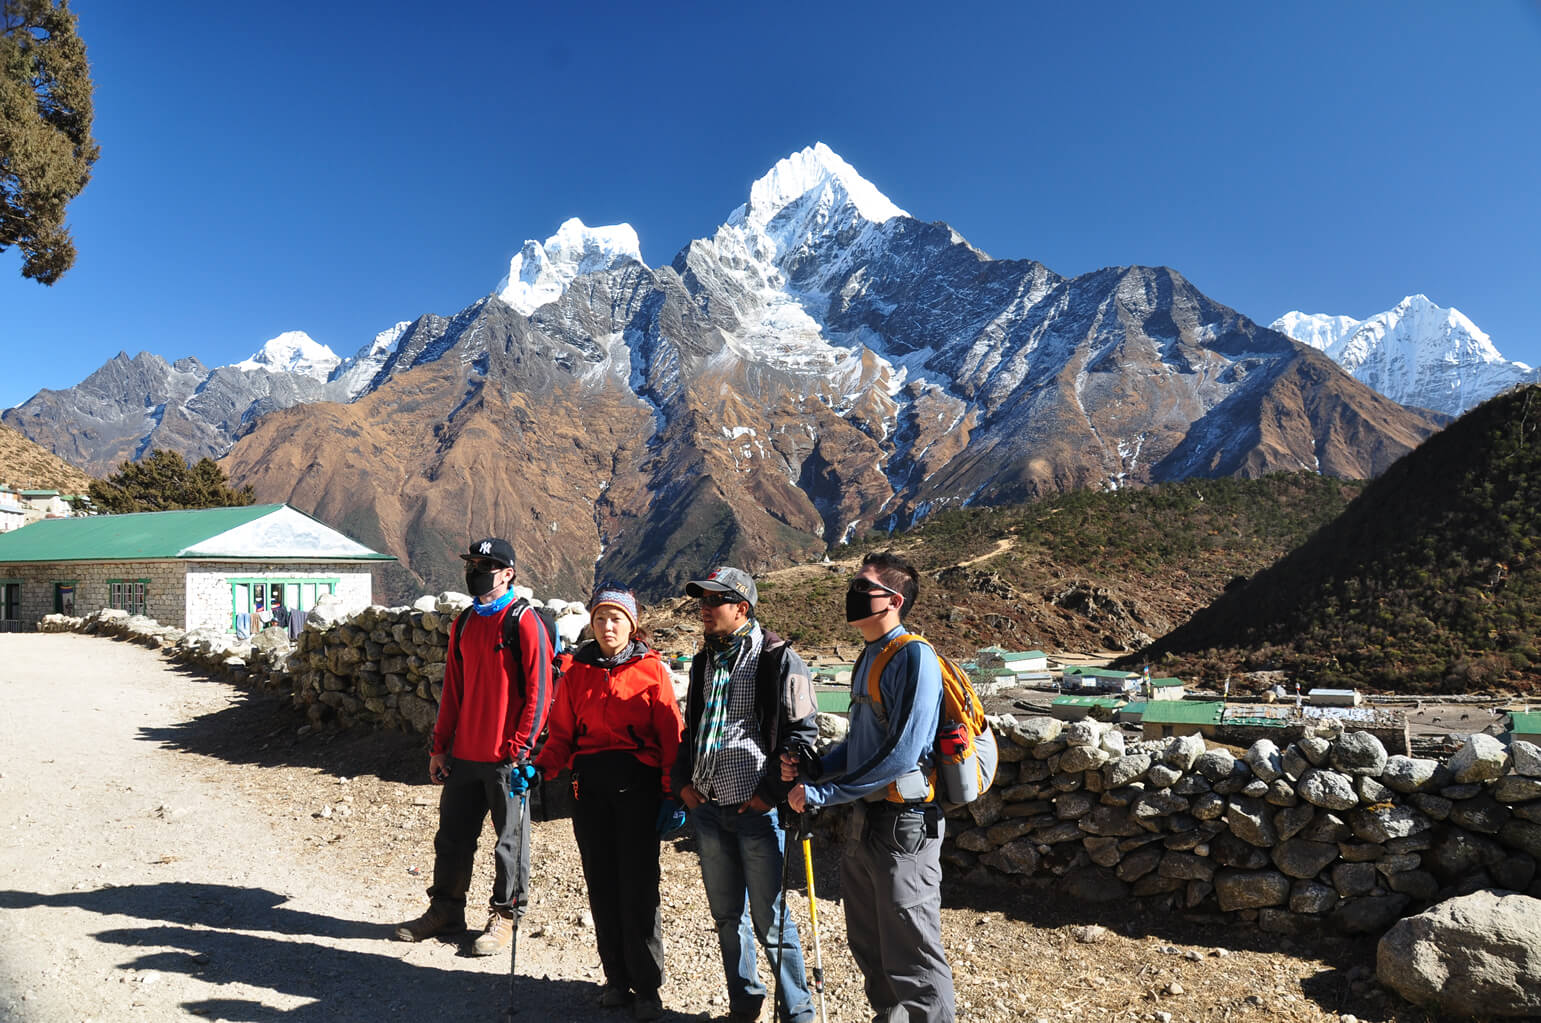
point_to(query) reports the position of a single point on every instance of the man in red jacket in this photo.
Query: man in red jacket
(491, 712)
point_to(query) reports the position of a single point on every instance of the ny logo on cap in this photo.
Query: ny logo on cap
(486, 547)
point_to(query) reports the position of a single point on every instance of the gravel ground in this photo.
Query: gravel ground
(174, 846)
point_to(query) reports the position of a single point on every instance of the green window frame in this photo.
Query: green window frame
(298, 594)
(10, 600)
(131, 595)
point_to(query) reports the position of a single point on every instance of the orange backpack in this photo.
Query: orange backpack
(964, 754)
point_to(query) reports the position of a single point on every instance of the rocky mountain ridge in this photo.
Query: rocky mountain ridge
(822, 364)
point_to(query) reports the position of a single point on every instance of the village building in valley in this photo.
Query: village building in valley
(234, 569)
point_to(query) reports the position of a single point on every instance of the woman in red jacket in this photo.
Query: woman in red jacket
(615, 722)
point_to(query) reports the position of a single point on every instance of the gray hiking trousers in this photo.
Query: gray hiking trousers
(891, 875)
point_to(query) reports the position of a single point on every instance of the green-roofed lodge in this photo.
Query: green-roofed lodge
(1525, 725)
(211, 567)
(1074, 708)
(1164, 718)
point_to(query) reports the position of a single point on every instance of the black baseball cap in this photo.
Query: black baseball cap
(491, 549)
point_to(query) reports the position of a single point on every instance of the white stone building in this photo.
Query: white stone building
(190, 569)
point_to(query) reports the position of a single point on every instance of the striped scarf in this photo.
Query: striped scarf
(725, 653)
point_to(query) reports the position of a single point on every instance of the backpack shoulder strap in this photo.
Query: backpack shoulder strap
(460, 629)
(873, 697)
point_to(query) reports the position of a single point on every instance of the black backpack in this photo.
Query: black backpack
(511, 634)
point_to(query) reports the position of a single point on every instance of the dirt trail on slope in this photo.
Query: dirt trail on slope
(172, 846)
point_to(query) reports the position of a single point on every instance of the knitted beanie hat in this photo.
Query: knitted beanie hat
(615, 596)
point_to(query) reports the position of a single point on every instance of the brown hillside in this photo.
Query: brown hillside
(25, 466)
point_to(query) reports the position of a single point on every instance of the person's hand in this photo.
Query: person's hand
(797, 798)
(438, 768)
(671, 817)
(789, 766)
(690, 797)
(756, 803)
(520, 778)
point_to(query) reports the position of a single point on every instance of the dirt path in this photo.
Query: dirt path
(172, 846)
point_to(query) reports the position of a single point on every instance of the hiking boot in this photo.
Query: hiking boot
(613, 997)
(497, 936)
(647, 1006)
(440, 918)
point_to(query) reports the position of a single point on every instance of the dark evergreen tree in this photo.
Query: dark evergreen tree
(46, 148)
(165, 482)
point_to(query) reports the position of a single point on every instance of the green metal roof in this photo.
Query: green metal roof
(1110, 702)
(1165, 683)
(1099, 672)
(831, 701)
(1527, 721)
(1183, 712)
(142, 536)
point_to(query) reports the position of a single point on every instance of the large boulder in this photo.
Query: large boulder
(1483, 758)
(1358, 753)
(1476, 955)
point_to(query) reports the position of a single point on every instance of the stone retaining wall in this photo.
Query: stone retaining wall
(1329, 831)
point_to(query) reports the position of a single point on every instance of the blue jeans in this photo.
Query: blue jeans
(744, 852)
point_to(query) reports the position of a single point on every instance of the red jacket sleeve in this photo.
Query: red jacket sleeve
(449, 696)
(667, 723)
(558, 751)
(535, 678)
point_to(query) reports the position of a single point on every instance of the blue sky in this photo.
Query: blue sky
(337, 167)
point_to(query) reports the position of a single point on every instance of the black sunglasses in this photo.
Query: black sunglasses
(487, 566)
(861, 584)
(720, 599)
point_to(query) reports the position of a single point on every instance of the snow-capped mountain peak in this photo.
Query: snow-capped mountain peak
(293, 351)
(1319, 330)
(539, 273)
(814, 171)
(1417, 353)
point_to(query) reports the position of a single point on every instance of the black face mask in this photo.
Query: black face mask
(858, 605)
(478, 581)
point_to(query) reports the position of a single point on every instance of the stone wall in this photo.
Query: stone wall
(1328, 831)
(165, 593)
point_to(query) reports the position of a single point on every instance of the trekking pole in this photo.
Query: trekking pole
(805, 832)
(513, 942)
(781, 922)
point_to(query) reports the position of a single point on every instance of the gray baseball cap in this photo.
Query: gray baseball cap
(725, 579)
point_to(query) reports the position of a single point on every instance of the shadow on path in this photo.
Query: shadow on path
(262, 728)
(341, 985)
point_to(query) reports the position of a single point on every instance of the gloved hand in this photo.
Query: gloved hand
(671, 817)
(521, 778)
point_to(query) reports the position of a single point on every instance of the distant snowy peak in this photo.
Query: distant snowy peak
(1318, 330)
(293, 351)
(1416, 353)
(355, 375)
(818, 175)
(539, 274)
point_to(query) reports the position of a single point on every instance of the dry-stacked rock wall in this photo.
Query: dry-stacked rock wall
(1327, 831)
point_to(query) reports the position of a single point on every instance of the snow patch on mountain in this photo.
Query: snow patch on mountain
(293, 351)
(1416, 353)
(353, 376)
(540, 273)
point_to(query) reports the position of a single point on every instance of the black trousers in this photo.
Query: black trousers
(615, 812)
(472, 791)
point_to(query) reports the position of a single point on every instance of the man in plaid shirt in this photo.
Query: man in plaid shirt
(750, 700)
